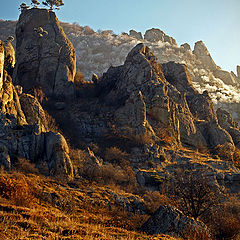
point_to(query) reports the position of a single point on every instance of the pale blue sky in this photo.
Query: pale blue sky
(216, 22)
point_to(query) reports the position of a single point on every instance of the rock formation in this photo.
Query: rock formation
(204, 56)
(155, 35)
(171, 221)
(23, 130)
(226, 122)
(137, 35)
(9, 53)
(153, 96)
(186, 46)
(44, 56)
(238, 72)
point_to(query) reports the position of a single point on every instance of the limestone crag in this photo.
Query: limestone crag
(24, 132)
(204, 56)
(132, 119)
(137, 35)
(97, 51)
(33, 111)
(155, 35)
(226, 122)
(44, 56)
(168, 96)
(186, 47)
(169, 220)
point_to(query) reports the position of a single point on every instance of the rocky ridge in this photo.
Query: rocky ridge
(97, 51)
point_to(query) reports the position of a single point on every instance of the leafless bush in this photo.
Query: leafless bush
(193, 192)
(224, 220)
(50, 123)
(16, 189)
(115, 155)
(39, 94)
(25, 166)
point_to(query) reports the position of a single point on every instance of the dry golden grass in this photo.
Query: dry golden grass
(53, 210)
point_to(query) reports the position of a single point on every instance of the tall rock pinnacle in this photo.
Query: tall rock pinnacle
(44, 56)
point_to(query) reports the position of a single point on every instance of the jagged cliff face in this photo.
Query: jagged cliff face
(44, 56)
(24, 131)
(150, 96)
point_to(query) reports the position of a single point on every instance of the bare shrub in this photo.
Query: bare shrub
(223, 151)
(25, 166)
(224, 220)
(114, 155)
(193, 192)
(39, 94)
(154, 199)
(143, 139)
(84, 88)
(236, 158)
(16, 189)
(50, 123)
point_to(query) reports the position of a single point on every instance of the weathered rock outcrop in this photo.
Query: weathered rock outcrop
(33, 111)
(171, 221)
(170, 100)
(227, 77)
(226, 122)
(131, 118)
(25, 141)
(155, 35)
(137, 35)
(23, 131)
(204, 56)
(186, 47)
(9, 100)
(9, 53)
(44, 55)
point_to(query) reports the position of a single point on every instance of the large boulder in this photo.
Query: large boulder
(44, 56)
(33, 111)
(169, 220)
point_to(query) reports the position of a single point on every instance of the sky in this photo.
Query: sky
(215, 22)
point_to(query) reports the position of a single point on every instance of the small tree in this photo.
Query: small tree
(193, 192)
(23, 7)
(35, 3)
(53, 3)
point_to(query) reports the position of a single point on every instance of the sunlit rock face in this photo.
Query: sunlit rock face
(45, 57)
(149, 96)
(97, 51)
